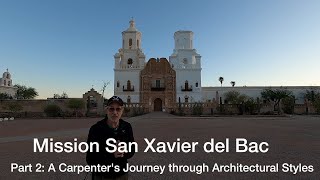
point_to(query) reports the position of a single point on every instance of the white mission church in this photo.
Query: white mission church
(156, 89)
(161, 83)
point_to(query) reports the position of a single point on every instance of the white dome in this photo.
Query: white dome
(132, 26)
(6, 75)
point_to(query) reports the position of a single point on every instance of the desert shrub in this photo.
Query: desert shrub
(53, 110)
(5, 96)
(76, 105)
(288, 105)
(316, 105)
(221, 109)
(67, 114)
(197, 109)
(126, 111)
(137, 111)
(14, 108)
(251, 106)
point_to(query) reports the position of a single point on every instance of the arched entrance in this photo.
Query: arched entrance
(94, 103)
(158, 104)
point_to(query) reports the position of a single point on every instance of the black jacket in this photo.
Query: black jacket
(100, 132)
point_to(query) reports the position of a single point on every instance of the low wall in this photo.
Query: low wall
(214, 108)
(35, 108)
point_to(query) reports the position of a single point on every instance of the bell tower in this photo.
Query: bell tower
(187, 63)
(129, 61)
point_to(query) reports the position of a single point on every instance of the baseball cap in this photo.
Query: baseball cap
(116, 99)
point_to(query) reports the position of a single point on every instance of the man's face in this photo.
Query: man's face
(114, 111)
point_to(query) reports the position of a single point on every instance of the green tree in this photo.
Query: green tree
(24, 92)
(64, 95)
(288, 105)
(316, 105)
(251, 106)
(56, 96)
(275, 95)
(5, 96)
(234, 97)
(233, 83)
(221, 80)
(243, 102)
(314, 97)
(76, 105)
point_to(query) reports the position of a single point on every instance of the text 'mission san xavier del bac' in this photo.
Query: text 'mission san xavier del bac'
(242, 145)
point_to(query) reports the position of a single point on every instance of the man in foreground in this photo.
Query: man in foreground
(112, 126)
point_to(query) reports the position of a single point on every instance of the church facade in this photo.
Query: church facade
(160, 83)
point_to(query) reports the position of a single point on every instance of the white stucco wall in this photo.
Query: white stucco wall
(192, 76)
(123, 76)
(209, 93)
(8, 90)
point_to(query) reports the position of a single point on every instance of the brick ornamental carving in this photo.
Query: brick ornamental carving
(158, 85)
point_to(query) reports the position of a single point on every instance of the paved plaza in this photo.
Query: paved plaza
(292, 139)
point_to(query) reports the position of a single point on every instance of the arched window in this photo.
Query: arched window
(186, 84)
(9, 83)
(118, 84)
(130, 42)
(92, 102)
(158, 83)
(130, 62)
(128, 84)
(185, 61)
(4, 82)
(129, 99)
(186, 99)
(197, 84)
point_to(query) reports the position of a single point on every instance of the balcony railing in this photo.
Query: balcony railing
(184, 88)
(158, 87)
(128, 88)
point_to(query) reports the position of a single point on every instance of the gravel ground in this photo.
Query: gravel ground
(292, 140)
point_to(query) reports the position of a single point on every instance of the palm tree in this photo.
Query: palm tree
(233, 83)
(221, 80)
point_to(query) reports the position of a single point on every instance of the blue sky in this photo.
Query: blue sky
(68, 46)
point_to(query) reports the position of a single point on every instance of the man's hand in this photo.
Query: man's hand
(118, 154)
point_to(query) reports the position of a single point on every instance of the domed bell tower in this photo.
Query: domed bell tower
(187, 63)
(129, 61)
